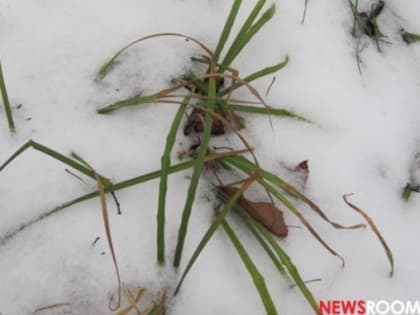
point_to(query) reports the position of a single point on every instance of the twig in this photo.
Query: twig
(269, 87)
(74, 175)
(307, 281)
(117, 203)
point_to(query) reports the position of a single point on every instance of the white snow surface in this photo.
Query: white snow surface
(364, 142)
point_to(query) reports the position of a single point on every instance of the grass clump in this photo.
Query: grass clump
(365, 24)
(205, 100)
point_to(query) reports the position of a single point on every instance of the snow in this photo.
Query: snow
(364, 142)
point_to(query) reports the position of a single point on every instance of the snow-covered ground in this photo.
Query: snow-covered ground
(365, 141)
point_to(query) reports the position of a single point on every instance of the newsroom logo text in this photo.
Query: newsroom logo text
(368, 307)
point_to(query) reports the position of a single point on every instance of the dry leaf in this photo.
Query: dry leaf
(375, 230)
(48, 307)
(264, 212)
(303, 169)
(132, 300)
(195, 122)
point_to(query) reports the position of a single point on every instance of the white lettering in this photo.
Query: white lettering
(412, 308)
(382, 310)
(370, 307)
(397, 307)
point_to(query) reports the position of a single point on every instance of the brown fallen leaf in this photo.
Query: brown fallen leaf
(264, 212)
(195, 122)
(303, 169)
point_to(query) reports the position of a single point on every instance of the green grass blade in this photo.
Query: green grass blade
(254, 76)
(154, 311)
(266, 111)
(16, 154)
(213, 227)
(265, 246)
(410, 38)
(250, 34)
(356, 18)
(58, 156)
(163, 185)
(80, 159)
(128, 102)
(407, 192)
(256, 276)
(52, 153)
(227, 29)
(104, 69)
(6, 102)
(198, 169)
(200, 85)
(242, 32)
(287, 262)
(159, 307)
(223, 197)
(114, 187)
(353, 7)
